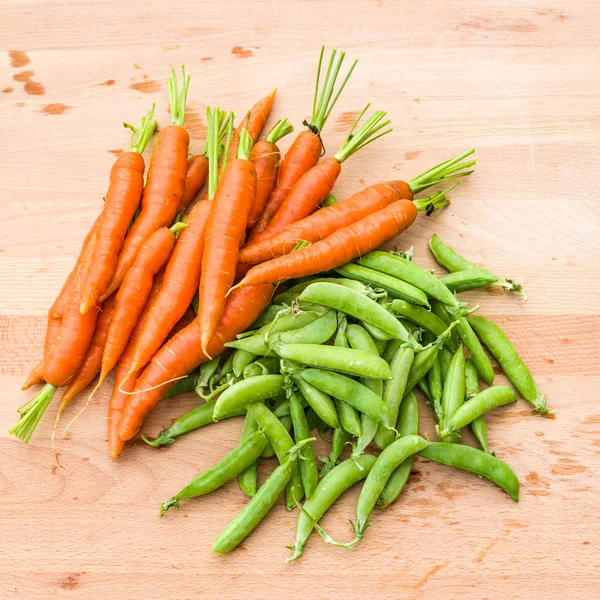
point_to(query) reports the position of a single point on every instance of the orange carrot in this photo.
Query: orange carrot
(339, 248)
(331, 218)
(316, 184)
(225, 230)
(265, 157)
(183, 353)
(121, 202)
(165, 186)
(307, 148)
(35, 377)
(119, 398)
(195, 176)
(253, 122)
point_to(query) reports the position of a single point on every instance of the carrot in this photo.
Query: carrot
(165, 186)
(307, 148)
(371, 199)
(119, 398)
(195, 176)
(316, 184)
(183, 353)
(225, 230)
(121, 202)
(265, 157)
(35, 377)
(339, 248)
(253, 122)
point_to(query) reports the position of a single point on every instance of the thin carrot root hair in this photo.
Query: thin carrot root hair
(154, 387)
(61, 408)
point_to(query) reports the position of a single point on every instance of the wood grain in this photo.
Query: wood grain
(517, 80)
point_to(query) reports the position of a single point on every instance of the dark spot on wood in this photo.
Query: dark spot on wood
(591, 420)
(18, 58)
(585, 543)
(106, 83)
(20, 104)
(86, 459)
(566, 341)
(146, 87)
(23, 76)
(8, 90)
(54, 469)
(117, 151)
(136, 66)
(194, 123)
(70, 582)
(240, 52)
(33, 88)
(491, 24)
(171, 48)
(205, 58)
(346, 120)
(540, 433)
(417, 100)
(568, 466)
(411, 155)
(550, 361)
(55, 109)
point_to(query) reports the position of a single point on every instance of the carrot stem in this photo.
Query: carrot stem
(280, 130)
(32, 412)
(445, 171)
(178, 226)
(244, 145)
(365, 135)
(227, 131)
(435, 201)
(214, 121)
(144, 133)
(177, 99)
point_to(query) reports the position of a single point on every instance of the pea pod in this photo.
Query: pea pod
(453, 395)
(358, 306)
(434, 384)
(339, 439)
(408, 424)
(394, 287)
(267, 316)
(268, 365)
(317, 332)
(321, 403)
(258, 506)
(241, 359)
(502, 349)
(225, 470)
(390, 350)
(420, 366)
(207, 370)
(378, 334)
(308, 459)
(470, 279)
(330, 488)
(475, 461)
(478, 405)
(345, 360)
(183, 385)
(248, 478)
(350, 391)
(445, 356)
(241, 394)
(478, 425)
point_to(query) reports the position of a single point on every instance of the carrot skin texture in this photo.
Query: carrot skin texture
(180, 283)
(131, 297)
(265, 157)
(326, 221)
(339, 248)
(302, 155)
(161, 198)
(195, 176)
(93, 359)
(225, 230)
(304, 198)
(183, 353)
(35, 377)
(122, 199)
(118, 399)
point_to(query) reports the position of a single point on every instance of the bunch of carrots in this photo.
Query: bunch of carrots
(152, 253)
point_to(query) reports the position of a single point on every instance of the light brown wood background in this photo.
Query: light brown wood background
(518, 81)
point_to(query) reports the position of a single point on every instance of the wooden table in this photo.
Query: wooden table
(516, 80)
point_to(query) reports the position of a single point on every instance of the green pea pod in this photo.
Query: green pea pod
(241, 394)
(478, 425)
(453, 395)
(408, 424)
(408, 271)
(258, 506)
(394, 391)
(380, 344)
(393, 286)
(321, 403)
(341, 340)
(227, 367)
(225, 470)
(207, 370)
(317, 332)
(339, 439)
(358, 306)
(241, 359)
(502, 349)
(268, 365)
(183, 385)
(248, 478)
(378, 334)
(350, 391)
(478, 405)
(349, 417)
(387, 462)
(423, 386)
(330, 488)
(345, 360)
(434, 381)
(473, 345)
(295, 291)
(474, 278)
(445, 356)
(313, 419)
(420, 366)
(475, 461)
(267, 316)
(308, 459)
(282, 442)
(390, 350)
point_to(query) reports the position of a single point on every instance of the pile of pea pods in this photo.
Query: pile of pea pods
(341, 356)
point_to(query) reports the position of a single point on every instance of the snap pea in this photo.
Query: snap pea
(283, 409)
(478, 405)
(268, 365)
(356, 305)
(308, 459)
(387, 462)
(393, 286)
(434, 381)
(294, 292)
(183, 385)
(391, 349)
(408, 424)
(258, 506)
(282, 443)
(381, 345)
(423, 386)
(321, 403)
(339, 439)
(313, 419)
(350, 391)
(317, 332)
(408, 271)
(453, 395)
(475, 461)
(394, 391)
(286, 421)
(241, 359)
(378, 334)
(473, 278)
(420, 366)
(341, 340)
(207, 370)
(248, 478)
(227, 367)
(330, 488)
(502, 349)
(267, 316)
(345, 360)
(445, 356)
(239, 395)
(478, 425)
(225, 470)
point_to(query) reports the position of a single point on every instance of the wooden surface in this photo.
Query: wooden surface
(518, 81)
